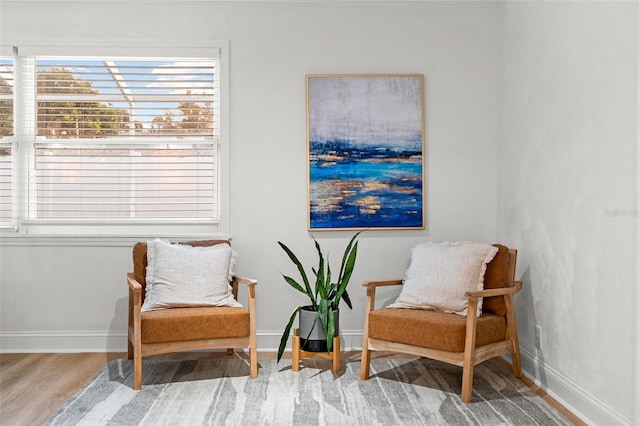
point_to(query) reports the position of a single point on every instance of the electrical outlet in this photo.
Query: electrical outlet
(538, 338)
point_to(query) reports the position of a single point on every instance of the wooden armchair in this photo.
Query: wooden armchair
(184, 329)
(458, 340)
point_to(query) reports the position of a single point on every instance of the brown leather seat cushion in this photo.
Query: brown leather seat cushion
(432, 329)
(183, 324)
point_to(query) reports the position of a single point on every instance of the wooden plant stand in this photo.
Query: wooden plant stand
(298, 354)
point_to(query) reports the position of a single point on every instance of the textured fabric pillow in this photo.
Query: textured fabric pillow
(183, 276)
(440, 274)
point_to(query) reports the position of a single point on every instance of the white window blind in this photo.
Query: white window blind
(124, 139)
(7, 141)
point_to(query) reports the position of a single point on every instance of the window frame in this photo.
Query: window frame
(10, 142)
(139, 227)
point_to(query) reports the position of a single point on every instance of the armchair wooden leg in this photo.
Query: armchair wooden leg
(512, 332)
(365, 360)
(253, 360)
(137, 370)
(467, 383)
(517, 364)
(229, 351)
(469, 358)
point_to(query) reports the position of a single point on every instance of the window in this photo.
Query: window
(7, 141)
(116, 142)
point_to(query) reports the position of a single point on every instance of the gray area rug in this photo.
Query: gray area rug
(219, 392)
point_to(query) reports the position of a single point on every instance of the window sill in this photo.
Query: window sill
(89, 235)
(92, 240)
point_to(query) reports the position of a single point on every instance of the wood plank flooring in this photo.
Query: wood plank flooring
(34, 386)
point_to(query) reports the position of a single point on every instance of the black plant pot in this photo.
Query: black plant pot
(317, 341)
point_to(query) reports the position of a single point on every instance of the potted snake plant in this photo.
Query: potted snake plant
(324, 298)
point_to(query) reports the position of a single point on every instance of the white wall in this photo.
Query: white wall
(567, 195)
(62, 294)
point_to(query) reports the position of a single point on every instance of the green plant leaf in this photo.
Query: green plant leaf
(348, 270)
(285, 334)
(347, 250)
(316, 319)
(332, 292)
(293, 283)
(321, 292)
(331, 329)
(346, 298)
(323, 308)
(303, 274)
(320, 284)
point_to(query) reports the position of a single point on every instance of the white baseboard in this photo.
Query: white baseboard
(63, 342)
(575, 399)
(566, 392)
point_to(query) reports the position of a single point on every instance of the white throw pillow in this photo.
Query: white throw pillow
(183, 276)
(440, 274)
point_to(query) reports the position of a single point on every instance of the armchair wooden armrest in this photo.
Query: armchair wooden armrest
(133, 284)
(495, 291)
(135, 290)
(249, 282)
(135, 306)
(251, 286)
(246, 281)
(371, 291)
(372, 284)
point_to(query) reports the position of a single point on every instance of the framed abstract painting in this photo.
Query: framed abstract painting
(365, 142)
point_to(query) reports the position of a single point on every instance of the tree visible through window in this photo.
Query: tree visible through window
(75, 118)
(82, 118)
(6, 143)
(6, 97)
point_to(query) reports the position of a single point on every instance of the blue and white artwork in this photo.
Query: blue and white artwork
(365, 142)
